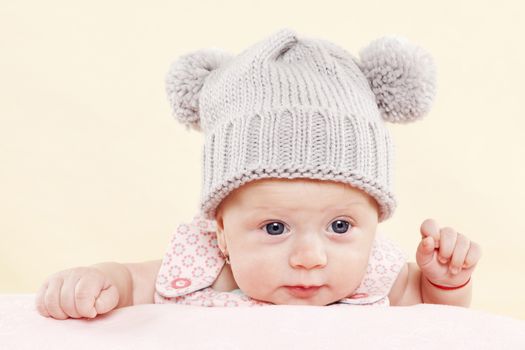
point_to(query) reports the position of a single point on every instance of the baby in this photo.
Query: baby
(297, 175)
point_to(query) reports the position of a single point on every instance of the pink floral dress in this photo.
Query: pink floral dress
(193, 261)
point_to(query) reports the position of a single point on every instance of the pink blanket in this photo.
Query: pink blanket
(271, 327)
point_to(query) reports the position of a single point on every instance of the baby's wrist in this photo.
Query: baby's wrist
(448, 286)
(457, 292)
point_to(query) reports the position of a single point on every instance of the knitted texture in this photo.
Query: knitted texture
(291, 107)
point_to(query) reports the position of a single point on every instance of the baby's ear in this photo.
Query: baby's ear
(401, 75)
(185, 80)
(221, 241)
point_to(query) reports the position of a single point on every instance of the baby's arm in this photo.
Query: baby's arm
(97, 289)
(444, 257)
(135, 281)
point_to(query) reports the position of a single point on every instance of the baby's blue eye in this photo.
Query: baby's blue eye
(340, 226)
(277, 228)
(274, 228)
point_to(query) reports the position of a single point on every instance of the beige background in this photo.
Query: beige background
(94, 168)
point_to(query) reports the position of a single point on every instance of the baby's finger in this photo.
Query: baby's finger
(67, 296)
(473, 255)
(52, 299)
(108, 298)
(446, 245)
(39, 300)
(425, 251)
(429, 227)
(86, 291)
(460, 252)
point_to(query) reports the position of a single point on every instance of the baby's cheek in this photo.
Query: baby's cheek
(350, 270)
(254, 277)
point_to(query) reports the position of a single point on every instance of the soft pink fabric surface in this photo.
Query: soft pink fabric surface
(173, 326)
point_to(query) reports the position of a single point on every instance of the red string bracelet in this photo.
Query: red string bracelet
(448, 288)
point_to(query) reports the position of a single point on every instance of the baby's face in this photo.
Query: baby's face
(281, 233)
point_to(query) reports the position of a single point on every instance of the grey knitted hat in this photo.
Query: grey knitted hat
(295, 107)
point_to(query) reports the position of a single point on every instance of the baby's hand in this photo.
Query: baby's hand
(77, 292)
(445, 256)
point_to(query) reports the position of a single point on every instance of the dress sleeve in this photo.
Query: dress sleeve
(192, 261)
(384, 265)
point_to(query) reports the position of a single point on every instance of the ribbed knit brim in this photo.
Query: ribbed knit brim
(298, 142)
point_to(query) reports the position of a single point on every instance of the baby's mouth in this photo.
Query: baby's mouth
(301, 291)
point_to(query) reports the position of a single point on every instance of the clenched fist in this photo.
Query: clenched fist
(77, 292)
(445, 256)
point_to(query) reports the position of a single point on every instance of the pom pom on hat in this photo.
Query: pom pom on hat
(185, 80)
(402, 77)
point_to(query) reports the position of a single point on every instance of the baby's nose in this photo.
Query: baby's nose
(308, 254)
